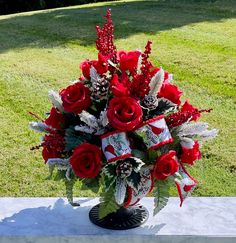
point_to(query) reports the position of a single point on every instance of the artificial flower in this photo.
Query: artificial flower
(190, 154)
(124, 113)
(55, 119)
(75, 98)
(170, 92)
(85, 67)
(86, 160)
(53, 145)
(101, 65)
(165, 166)
(188, 108)
(128, 60)
(120, 87)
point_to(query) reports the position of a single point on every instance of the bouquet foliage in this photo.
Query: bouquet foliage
(122, 130)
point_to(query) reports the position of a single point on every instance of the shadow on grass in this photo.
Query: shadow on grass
(77, 25)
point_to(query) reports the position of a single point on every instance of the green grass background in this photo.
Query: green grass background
(194, 40)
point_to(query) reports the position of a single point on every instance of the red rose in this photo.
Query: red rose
(85, 67)
(120, 87)
(189, 155)
(166, 165)
(188, 108)
(53, 146)
(55, 119)
(124, 113)
(170, 92)
(86, 160)
(101, 65)
(128, 60)
(75, 98)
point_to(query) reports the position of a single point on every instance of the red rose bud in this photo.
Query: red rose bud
(55, 119)
(190, 154)
(101, 65)
(119, 88)
(186, 185)
(154, 132)
(170, 92)
(85, 67)
(165, 166)
(188, 108)
(124, 113)
(128, 60)
(86, 160)
(75, 98)
(115, 145)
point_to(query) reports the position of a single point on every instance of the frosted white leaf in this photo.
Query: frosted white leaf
(156, 82)
(85, 129)
(55, 98)
(170, 78)
(187, 142)
(58, 162)
(68, 172)
(192, 129)
(100, 131)
(139, 64)
(94, 75)
(38, 126)
(120, 190)
(89, 119)
(209, 134)
(103, 120)
(61, 164)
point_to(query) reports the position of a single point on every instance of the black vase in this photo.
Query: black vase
(122, 219)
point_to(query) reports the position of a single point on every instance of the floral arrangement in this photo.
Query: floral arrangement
(121, 129)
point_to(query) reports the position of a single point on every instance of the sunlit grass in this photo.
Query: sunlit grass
(41, 50)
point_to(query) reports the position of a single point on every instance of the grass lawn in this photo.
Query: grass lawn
(194, 40)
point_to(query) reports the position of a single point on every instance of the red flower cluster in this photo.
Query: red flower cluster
(53, 145)
(118, 110)
(105, 43)
(140, 84)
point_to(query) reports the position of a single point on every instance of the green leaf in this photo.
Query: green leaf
(139, 154)
(134, 180)
(74, 138)
(60, 175)
(152, 155)
(51, 169)
(69, 191)
(110, 169)
(108, 204)
(161, 194)
(91, 184)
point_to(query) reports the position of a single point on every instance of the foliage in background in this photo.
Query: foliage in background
(14, 6)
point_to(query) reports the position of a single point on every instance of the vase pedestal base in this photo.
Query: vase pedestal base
(122, 219)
